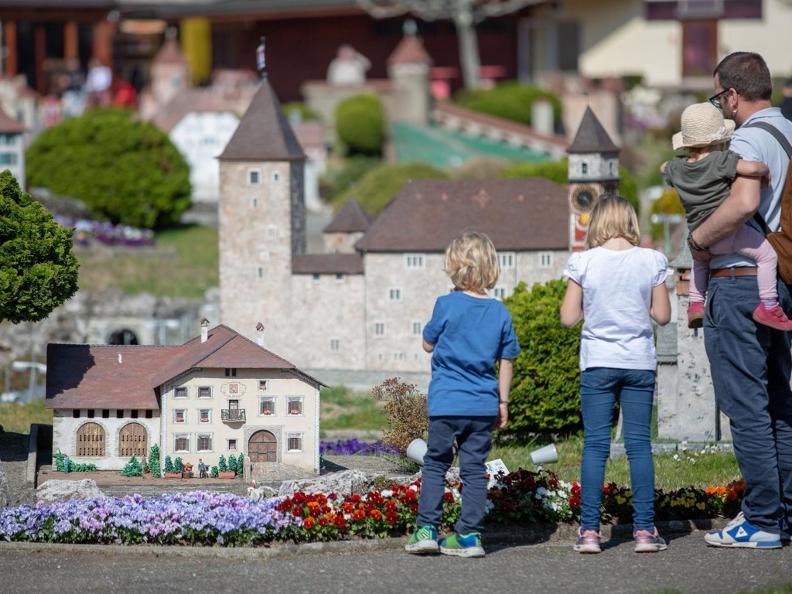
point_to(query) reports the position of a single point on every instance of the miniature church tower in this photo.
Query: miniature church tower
(261, 214)
(593, 170)
(170, 76)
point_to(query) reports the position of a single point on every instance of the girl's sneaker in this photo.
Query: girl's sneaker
(423, 541)
(648, 542)
(588, 542)
(773, 317)
(696, 315)
(462, 545)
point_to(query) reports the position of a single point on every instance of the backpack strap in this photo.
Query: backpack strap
(785, 144)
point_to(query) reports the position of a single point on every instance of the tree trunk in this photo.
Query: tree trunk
(468, 45)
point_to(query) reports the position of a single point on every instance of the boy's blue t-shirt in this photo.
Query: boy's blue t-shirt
(469, 335)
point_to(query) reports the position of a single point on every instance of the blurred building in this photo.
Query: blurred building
(12, 150)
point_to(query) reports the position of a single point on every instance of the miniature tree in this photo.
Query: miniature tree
(154, 461)
(214, 472)
(38, 270)
(232, 463)
(178, 466)
(241, 465)
(133, 468)
(221, 464)
(169, 464)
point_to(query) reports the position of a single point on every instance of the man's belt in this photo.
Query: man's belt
(737, 271)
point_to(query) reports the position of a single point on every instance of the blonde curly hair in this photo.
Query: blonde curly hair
(472, 262)
(612, 217)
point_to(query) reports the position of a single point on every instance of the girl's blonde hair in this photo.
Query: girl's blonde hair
(472, 262)
(612, 217)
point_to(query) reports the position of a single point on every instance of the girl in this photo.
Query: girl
(616, 287)
(468, 333)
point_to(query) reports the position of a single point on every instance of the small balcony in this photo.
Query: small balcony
(232, 415)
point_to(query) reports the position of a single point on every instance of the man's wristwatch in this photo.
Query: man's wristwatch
(695, 245)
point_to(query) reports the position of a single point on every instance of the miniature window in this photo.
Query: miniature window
(546, 259)
(205, 415)
(134, 414)
(254, 202)
(499, 292)
(271, 232)
(416, 328)
(394, 294)
(267, 406)
(119, 414)
(204, 391)
(180, 392)
(316, 277)
(613, 168)
(260, 272)
(76, 413)
(263, 385)
(413, 261)
(105, 413)
(149, 414)
(232, 447)
(335, 345)
(204, 442)
(295, 405)
(254, 177)
(506, 259)
(230, 372)
(179, 415)
(275, 176)
(91, 413)
(181, 443)
(295, 441)
(339, 278)
(379, 329)
(584, 168)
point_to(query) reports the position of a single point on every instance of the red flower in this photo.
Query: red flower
(323, 521)
(414, 507)
(348, 508)
(574, 501)
(358, 515)
(309, 523)
(390, 506)
(340, 522)
(448, 496)
(326, 509)
(376, 514)
(391, 517)
(332, 497)
(297, 512)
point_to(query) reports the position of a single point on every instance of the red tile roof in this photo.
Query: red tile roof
(410, 51)
(327, 264)
(169, 53)
(91, 376)
(517, 214)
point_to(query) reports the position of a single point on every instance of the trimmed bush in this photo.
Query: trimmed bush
(221, 464)
(124, 170)
(232, 463)
(178, 465)
(340, 178)
(214, 472)
(557, 171)
(154, 461)
(375, 189)
(133, 468)
(544, 396)
(169, 464)
(241, 464)
(299, 110)
(508, 100)
(360, 124)
(64, 464)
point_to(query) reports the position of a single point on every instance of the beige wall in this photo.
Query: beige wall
(343, 243)
(280, 385)
(64, 435)
(769, 36)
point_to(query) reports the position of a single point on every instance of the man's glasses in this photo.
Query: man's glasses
(715, 99)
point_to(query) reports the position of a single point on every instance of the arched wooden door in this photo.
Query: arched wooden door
(262, 447)
(132, 440)
(90, 440)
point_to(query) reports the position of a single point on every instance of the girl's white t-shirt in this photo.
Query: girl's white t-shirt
(617, 294)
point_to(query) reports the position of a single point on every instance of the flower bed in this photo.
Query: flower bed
(204, 518)
(349, 447)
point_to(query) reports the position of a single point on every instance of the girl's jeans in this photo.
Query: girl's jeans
(599, 388)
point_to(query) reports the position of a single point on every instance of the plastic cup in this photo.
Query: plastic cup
(416, 450)
(546, 455)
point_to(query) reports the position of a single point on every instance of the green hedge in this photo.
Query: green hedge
(360, 124)
(544, 396)
(557, 171)
(375, 189)
(508, 100)
(125, 170)
(339, 178)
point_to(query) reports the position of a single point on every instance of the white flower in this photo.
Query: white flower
(387, 493)
(541, 492)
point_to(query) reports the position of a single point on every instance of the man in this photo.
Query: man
(750, 363)
(202, 468)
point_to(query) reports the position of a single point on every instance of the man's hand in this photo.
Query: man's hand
(503, 416)
(699, 252)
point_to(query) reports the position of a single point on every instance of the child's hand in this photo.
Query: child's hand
(663, 167)
(503, 416)
(766, 179)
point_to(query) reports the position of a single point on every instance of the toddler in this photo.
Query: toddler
(703, 178)
(468, 333)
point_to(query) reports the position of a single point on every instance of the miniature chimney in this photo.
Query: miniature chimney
(260, 334)
(261, 58)
(204, 330)
(120, 358)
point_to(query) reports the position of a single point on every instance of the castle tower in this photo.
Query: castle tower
(593, 170)
(261, 216)
(170, 72)
(408, 68)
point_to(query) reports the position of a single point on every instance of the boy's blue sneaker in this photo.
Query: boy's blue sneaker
(423, 541)
(740, 533)
(462, 545)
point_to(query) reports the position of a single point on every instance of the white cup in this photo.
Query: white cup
(416, 450)
(546, 455)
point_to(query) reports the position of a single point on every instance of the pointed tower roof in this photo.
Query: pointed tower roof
(410, 51)
(263, 133)
(350, 219)
(9, 125)
(169, 53)
(591, 137)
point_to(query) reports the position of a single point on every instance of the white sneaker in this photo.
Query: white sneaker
(740, 533)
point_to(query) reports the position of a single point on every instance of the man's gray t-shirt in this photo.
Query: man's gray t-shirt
(755, 144)
(702, 184)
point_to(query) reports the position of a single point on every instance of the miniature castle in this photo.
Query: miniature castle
(359, 308)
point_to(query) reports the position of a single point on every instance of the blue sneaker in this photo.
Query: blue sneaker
(740, 533)
(462, 545)
(423, 541)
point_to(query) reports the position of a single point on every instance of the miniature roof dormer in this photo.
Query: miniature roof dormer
(9, 125)
(170, 52)
(263, 133)
(350, 219)
(410, 49)
(592, 137)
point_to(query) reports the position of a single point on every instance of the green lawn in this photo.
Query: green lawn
(345, 409)
(184, 263)
(17, 418)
